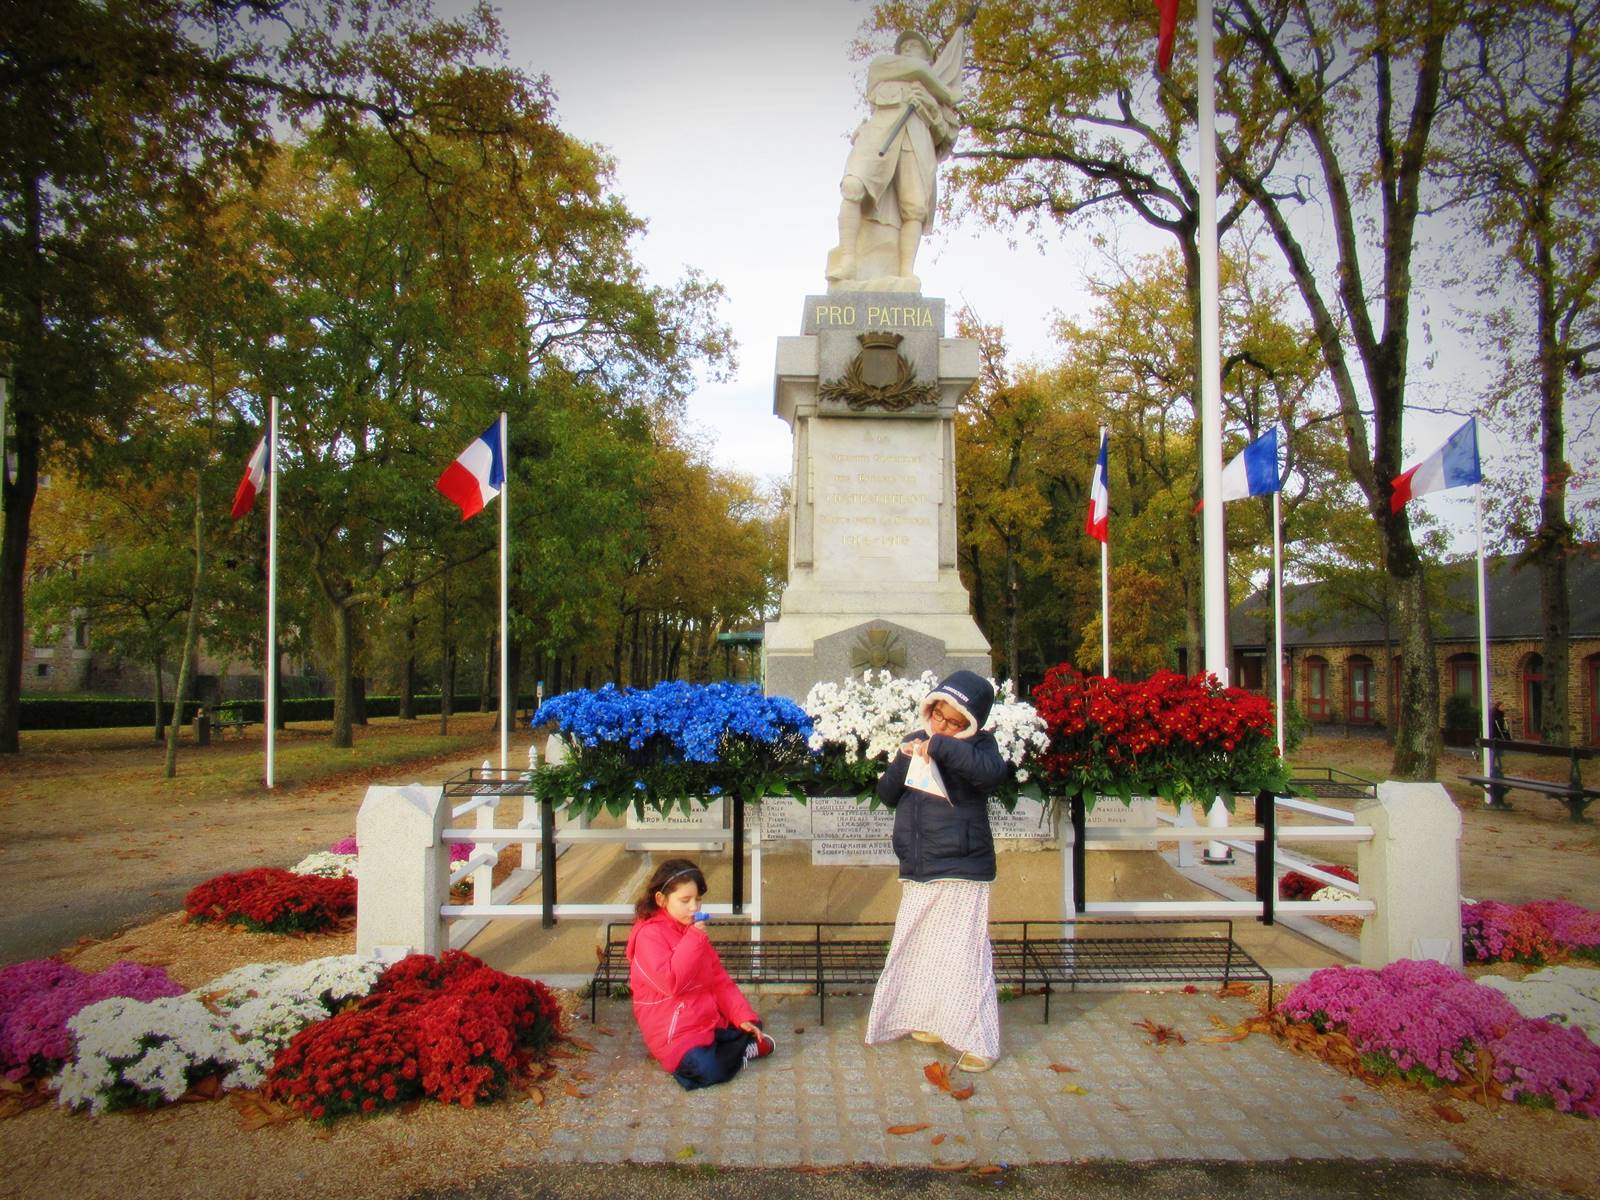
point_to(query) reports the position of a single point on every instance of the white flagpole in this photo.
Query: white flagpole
(1485, 700)
(1105, 573)
(505, 654)
(1105, 609)
(1215, 576)
(269, 719)
(1277, 613)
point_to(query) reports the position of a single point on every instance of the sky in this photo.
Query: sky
(729, 122)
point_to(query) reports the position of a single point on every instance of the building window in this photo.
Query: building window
(1462, 673)
(1358, 673)
(80, 634)
(1533, 697)
(41, 670)
(1316, 688)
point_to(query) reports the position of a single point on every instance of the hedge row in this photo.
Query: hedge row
(49, 712)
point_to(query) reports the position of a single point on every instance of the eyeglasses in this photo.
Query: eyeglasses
(944, 715)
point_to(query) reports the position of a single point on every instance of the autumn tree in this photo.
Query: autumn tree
(1523, 158)
(113, 112)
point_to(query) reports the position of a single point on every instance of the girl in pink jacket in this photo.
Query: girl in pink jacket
(694, 1019)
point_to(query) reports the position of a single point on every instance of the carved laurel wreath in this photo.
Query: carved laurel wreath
(896, 396)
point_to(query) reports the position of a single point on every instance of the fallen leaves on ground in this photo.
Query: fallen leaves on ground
(955, 1166)
(574, 1091)
(17, 1097)
(936, 1140)
(1062, 1068)
(535, 1094)
(1160, 1035)
(1072, 1089)
(902, 1130)
(991, 1169)
(572, 1040)
(604, 1032)
(1454, 1115)
(1233, 989)
(257, 1112)
(938, 1075)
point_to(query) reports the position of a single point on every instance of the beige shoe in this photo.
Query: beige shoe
(932, 1039)
(971, 1062)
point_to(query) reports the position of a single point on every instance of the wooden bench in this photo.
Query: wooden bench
(1029, 956)
(1573, 793)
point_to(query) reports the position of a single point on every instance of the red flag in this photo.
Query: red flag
(1169, 28)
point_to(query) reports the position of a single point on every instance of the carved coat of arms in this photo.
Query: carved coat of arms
(880, 377)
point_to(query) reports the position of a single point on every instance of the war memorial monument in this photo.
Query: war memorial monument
(869, 388)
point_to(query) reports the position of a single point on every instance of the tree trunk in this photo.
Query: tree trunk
(408, 677)
(487, 680)
(1416, 741)
(1553, 543)
(191, 628)
(342, 736)
(161, 698)
(19, 494)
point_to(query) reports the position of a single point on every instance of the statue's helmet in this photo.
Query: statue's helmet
(912, 37)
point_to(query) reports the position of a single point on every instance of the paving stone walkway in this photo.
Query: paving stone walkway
(825, 1099)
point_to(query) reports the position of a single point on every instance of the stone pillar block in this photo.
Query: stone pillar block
(1411, 870)
(403, 875)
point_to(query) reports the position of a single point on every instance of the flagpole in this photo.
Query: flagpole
(505, 654)
(1215, 576)
(1105, 583)
(1277, 613)
(270, 717)
(1485, 701)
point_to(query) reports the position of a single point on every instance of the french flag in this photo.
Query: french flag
(477, 475)
(255, 474)
(1454, 464)
(1254, 470)
(1098, 523)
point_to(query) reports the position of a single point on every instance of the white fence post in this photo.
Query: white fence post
(403, 875)
(1411, 869)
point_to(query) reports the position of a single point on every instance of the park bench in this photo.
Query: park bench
(1573, 793)
(1029, 956)
(228, 720)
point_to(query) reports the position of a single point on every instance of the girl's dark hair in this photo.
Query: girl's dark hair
(668, 874)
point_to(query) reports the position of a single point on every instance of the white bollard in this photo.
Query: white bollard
(1218, 853)
(1188, 851)
(1411, 870)
(404, 871)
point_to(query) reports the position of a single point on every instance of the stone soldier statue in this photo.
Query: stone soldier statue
(889, 191)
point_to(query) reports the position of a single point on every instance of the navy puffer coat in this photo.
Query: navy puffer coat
(935, 837)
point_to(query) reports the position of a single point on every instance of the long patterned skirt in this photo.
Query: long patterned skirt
(939, 975)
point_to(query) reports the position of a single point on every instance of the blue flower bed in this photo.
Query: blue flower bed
(677, 744)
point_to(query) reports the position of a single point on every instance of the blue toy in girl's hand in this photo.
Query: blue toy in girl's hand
(702, 916)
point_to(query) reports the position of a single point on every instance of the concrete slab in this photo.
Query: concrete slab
(824, 1099)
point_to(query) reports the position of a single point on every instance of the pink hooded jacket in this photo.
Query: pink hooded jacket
(681, 994)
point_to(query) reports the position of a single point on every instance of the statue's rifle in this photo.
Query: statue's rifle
(900, 124)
